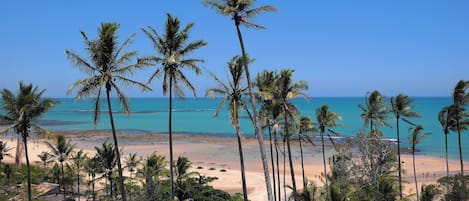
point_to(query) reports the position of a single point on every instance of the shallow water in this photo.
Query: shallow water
(195, 116)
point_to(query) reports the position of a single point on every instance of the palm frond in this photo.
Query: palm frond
(81, 63)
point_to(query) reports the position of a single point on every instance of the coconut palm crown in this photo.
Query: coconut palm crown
(173, 47)
(107, 66)
(22, 112)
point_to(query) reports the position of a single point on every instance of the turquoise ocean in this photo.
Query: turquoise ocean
(195, 117)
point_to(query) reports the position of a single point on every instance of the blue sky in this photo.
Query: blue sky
(341, 48)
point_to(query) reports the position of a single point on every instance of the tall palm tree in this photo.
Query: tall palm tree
(61, 151)
(232, 93)
(242, 14)
(447, 122)
(460, 99)
(79, 161)
(4, 151)
(306, 126)
(326, 121)
(22, 112)
(269, 111)
(285, 91)
(107, 159)
(374, 112)
(173, 47)
(106, 67)
(131, 163)
(401, 107)
(415, 137)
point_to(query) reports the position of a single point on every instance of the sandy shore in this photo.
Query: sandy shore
(210, 155)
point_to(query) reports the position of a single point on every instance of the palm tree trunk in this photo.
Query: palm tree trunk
(28, 169)
(272, 159)
(302, 164)
(415, 174)
(170, 128)
(62, 183)
(92, 188)
(284, 172)
(399, 158)
(241, 161)
(324, 164)
(111, 185)
(116, 146)
(130, 186)
(78, 183)
(446, 150)
(278, 168)
(292, 169)
(258, 128)
(459, 142)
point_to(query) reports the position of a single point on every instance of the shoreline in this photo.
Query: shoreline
(212, 153)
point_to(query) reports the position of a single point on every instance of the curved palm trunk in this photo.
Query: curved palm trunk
(302, 164)
(170, 128)
(272, 159)
(292, 169)
(241, 161)
(258, 129)
(62, 183)
(459, 142)
(116, 146)
(28, 169)
(415, 174)
(399, 158)
(324, 163)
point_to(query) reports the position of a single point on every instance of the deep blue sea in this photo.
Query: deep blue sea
(195, 116)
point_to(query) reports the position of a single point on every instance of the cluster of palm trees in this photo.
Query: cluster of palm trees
(147, 179)
(108, 65)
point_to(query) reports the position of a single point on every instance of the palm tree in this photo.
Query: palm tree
(446, 121)
(460, 99)
(173, 46)
(153, 168)
(107, 67)
(401, 107)
(374, 112)
(61, 151)
(93, 167)
(46, 158)
(131, 163)
(79, 161)
(22, 112)
(415, 138)
(306, 126)
(107, 159)
(242, 14)
(4, 151)
(232, 93)
(326, 119)
(269, 111)
(286, 90)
